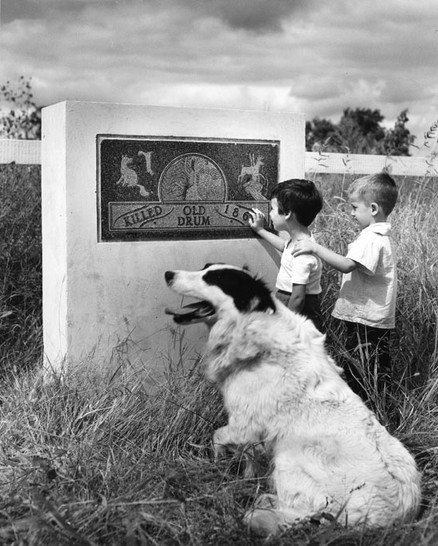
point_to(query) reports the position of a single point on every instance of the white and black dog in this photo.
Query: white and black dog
(330, 454)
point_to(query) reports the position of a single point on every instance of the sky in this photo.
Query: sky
(309, 56)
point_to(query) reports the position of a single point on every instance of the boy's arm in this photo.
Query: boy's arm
(296, 300)
(257, 223)
(341, 263)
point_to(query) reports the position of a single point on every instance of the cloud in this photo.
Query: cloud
(19, 9)
(250, 15)
(313, 57)
(257, 15)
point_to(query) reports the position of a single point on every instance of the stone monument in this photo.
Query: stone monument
(132, 191)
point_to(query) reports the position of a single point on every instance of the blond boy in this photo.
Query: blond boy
(366, 301)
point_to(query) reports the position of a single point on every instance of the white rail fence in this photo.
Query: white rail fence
(22, 152)
(28, 152)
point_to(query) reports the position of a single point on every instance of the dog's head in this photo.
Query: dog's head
(221, 289)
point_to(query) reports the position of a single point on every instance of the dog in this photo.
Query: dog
(331, 458)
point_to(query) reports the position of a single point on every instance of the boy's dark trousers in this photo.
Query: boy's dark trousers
(311, 309)
(367, 368)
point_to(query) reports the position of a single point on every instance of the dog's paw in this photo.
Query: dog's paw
(219, 452)
(220, 443)
(262, 522)
(266, 501)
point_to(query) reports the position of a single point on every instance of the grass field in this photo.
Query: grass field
(105, 462)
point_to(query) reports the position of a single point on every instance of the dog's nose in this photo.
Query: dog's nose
(169, 276)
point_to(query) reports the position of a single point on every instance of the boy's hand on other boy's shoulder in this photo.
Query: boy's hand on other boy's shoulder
(304, 246)
(257, 220)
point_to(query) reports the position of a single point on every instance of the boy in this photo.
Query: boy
(366, 301)
(294, 205)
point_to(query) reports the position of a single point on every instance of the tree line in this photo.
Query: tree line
(359, 131)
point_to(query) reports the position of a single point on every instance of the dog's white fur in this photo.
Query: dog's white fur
(330, 454)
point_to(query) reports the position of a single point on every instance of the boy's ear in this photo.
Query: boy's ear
(374, 208)
(288, 215)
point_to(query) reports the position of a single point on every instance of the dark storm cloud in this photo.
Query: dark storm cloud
(257, 15)
(19, 9)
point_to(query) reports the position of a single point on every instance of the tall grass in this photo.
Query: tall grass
(110, 461)
(20, 267)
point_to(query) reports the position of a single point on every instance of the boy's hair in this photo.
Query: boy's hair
(300, 197)
(378, 188)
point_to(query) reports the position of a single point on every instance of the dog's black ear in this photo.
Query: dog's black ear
(249, 294)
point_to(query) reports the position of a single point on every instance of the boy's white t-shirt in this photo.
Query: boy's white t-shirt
(368, 293)
(304, 269)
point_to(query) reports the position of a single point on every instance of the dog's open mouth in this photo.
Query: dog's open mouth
(193, 312)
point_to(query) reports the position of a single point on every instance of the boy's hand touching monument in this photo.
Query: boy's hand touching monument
(257, 221)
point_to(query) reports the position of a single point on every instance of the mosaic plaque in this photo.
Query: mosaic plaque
(157, 188)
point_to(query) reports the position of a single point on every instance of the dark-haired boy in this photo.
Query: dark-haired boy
(294, 205)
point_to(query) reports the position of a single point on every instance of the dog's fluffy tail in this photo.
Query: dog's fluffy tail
(402, 467)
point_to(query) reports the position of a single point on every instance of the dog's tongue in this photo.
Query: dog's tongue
(192, 311)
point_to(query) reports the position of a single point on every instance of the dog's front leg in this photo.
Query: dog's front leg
(234, 434)
(221, 438)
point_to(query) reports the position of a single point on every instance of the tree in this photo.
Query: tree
(398, 139)
(367, 120)
(23, 119)
(359, 131)
(319, 131)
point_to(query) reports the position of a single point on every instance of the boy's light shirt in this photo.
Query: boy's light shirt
(304, 269)
(368, 293)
